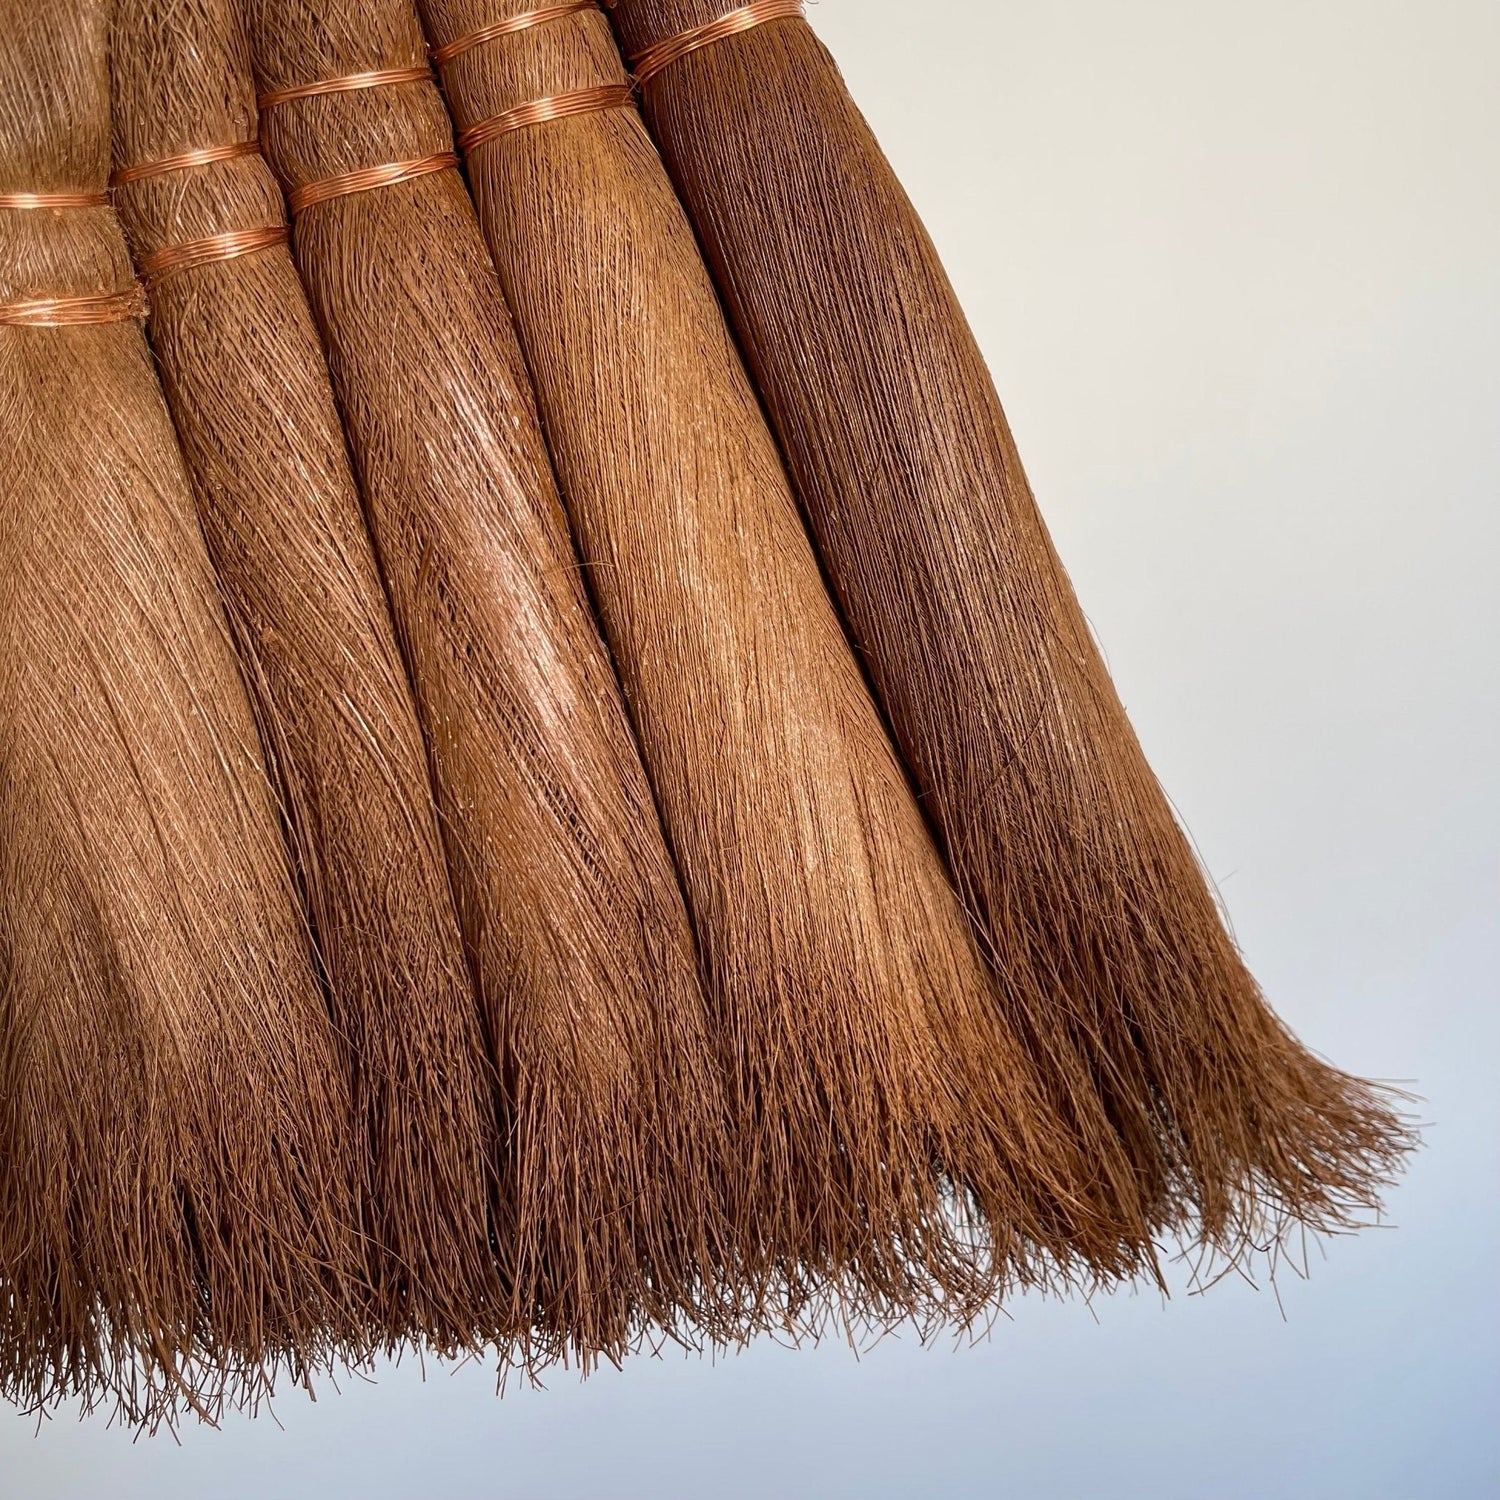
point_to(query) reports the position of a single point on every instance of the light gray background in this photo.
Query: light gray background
(1237, 270)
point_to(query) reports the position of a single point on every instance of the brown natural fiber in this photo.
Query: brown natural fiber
(880, 1097)
(1081, 883)
(579, 936)
(247, 384)
(175, 1216)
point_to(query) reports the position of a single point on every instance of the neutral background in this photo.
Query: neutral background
(1237, 271)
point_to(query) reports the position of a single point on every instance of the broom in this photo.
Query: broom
(1081, 884)
(248, 387)
(176, 1221)
(866, 1040)
(615, 1152)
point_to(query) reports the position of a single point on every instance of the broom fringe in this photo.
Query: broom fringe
(898, 1144)
(614, 1154)
(1082, 889)
(246, 379)
(176, 1210)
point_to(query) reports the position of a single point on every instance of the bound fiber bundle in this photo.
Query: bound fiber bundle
(614, 1150)
(247, 384)
(1081, 884)
(176, 1216)
(895, 1141)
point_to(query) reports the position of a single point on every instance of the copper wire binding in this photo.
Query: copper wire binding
(202, 157)
(365, 178)
(53, 200)
(650, 62)
(539, 111)
(373, 79)
(508, 26)
(230, 245)
(72, 312)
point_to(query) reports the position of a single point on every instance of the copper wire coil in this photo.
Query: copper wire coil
(366, 178)
(202, 157)
(230, 245)
(539, 111)
(373, 79)
(509, 26)
(71, 312)
(650, 62)
(53, 200)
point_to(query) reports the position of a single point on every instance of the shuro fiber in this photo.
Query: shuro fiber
(612, 1216)
(177, 1219)
(1084, 890)
(897, 1145)
(248, 387)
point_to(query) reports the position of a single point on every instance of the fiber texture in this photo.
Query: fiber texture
(1082, 887)
(896, 1144)
(614, 1150)
(247, 384)
(176, 1219)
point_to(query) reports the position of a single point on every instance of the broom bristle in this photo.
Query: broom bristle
(246, 380)
(176, 1219)
(880, 1097)
(615, 1152)
(1082, 885)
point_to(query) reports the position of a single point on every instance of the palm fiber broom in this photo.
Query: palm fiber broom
(176, 1219)
(615, 1153)
(1081, 884)
(247, 384)
(866, 1044)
